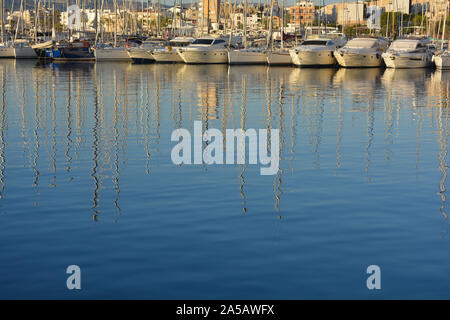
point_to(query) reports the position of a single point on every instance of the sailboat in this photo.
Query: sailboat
(6, 49)
(442, 58)
(246, 55)
(22, 48)
(41, 49)
(104, 52)
(279, 56)
(111, 53)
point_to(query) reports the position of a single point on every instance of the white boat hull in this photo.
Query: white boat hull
(167, 56)
(406, 62)
(279, 58)
(359, 60)
(246, 57)
(442, 62)
(25, 52)
(7, 52)
(112, 54)
(204, 56)
(140, 54)
(313, 58)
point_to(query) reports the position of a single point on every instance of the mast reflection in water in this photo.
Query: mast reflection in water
(86, 178)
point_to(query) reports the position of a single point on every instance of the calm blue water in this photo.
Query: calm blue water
(86, 178)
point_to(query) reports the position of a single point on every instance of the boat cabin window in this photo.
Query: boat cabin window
(203, 41)
(219, 41)
(315, 43)
(361, 43)
(179, 43)
(405, 45)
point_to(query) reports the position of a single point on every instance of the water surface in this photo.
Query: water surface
(86, 178)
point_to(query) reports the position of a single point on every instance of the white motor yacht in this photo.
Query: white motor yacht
(409, 53)
(316, 52)
(143, 52)
(205, 51)
(362, 52)
(170, 54)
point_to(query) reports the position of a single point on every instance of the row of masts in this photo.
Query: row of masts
(177, 23)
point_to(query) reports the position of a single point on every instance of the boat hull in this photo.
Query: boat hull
(112, 54)
(73, 54)
(313, 58)
(279, 58)
(359, 60)
(25, 52)
(7, 52)
(204, 56)
(167, 57)
(442, 62)
(406, 62)
(140, 55)
(246, 57)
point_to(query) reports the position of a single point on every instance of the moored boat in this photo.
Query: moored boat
(362, 52)
(169, 53)
(111, 54)
(316, 52)
(442, 60)
(205, 51)
(247, 56)
(73, 51)
(409, 53)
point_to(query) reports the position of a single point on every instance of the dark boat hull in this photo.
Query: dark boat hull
(73, 54)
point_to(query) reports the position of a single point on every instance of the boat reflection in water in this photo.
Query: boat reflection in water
(85, 158)
(125, 95)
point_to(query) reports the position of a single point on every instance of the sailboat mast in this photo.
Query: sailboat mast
(282, 24)
(115, 23)
(67, 9)
(36, 13)
(19, 20)
(159, 18)
(443, 26)
(245, 24)
(95, 21)
(181, 16)
(53, 21)
(148, 17)
(269, 36)
(2, 24)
